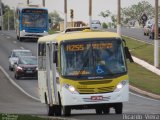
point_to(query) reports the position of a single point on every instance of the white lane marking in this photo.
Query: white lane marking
(15, 42)
(8, 37)
(16, 85)
(145, 97)
(22, 48)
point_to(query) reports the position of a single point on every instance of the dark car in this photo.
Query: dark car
(26, 67)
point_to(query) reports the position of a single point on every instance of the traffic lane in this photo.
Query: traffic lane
(136, 33)
(136, 105)
(14, 101)
(6, 45)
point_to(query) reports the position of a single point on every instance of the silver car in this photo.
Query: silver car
(15, 54)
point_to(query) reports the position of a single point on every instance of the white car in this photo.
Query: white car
(15, 54)
(96, 25)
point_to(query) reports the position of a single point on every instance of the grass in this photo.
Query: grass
(19, 117)
(52, 32)
(143, 78)
(141, 50)
(25, 117)
(139, 76)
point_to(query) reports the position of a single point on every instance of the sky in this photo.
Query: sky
(80, 7)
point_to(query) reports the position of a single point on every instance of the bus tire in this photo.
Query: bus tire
(98, 110)
(17, 37)
(106, 110)
(118, 108)
(57, 110)
(16, 76)
(50, 110)
(20, 39)
(66, 110)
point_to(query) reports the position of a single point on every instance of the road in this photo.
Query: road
(136, 33)
(14, 101)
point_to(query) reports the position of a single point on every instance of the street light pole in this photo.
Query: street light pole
(156, 41)
(8, 19)
(14, 17)
(1, 14)
(27, 2)
(90, 13)
(119, 17)
(65, 14)
(43, 3)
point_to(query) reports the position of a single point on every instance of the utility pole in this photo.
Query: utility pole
(43, 3)
(8, 19)
(90, 13)
(119, 17)
(1, 12)
(27, 2)
(14, 17)
(65, 14)
(156, 41)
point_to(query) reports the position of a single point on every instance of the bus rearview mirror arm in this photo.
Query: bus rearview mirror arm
(128, 54)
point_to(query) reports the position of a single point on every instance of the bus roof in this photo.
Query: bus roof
(77, 35)
(23, 6)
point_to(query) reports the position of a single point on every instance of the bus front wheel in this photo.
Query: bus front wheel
(20, 39)
(118, 108)
(66, 110)
(50, 110)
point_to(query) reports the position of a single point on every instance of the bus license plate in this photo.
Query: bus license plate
(96, 97)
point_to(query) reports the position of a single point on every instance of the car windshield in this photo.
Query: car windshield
(28, 61)
(22, 53)
(101, 57)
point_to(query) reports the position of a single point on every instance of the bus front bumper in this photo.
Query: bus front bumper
(70, 99)
(24, 34)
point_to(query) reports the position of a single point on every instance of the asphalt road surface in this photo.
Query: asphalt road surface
(14, 101)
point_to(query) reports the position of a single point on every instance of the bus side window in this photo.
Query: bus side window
(41, 56)
(55, 55)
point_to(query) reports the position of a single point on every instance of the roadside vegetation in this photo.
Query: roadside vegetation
(139, 76)
(25, 117)
(141, 50)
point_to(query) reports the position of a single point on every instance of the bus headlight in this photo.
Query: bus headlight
(71, 88)
(120, 85)
(23, 30)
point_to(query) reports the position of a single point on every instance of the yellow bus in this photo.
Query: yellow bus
(83, 70)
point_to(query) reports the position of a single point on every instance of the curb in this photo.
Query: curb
(146, 65)
(142, 92)
(17, 86)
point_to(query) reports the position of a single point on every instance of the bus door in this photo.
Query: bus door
(42, 72)
(51, 48)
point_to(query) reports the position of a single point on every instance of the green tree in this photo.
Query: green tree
(137, 10)
(7, 11)
(55, 18)
(105, 14)
(104, 25)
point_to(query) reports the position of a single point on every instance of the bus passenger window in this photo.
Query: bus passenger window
(42, 56)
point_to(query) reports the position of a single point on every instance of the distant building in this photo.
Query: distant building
(72, 24)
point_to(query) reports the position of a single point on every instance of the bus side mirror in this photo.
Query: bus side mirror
(128, 54)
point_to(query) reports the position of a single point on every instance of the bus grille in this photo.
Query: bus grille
(95, 90)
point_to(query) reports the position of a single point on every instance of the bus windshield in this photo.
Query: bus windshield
(34, 18)
(89, 59)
